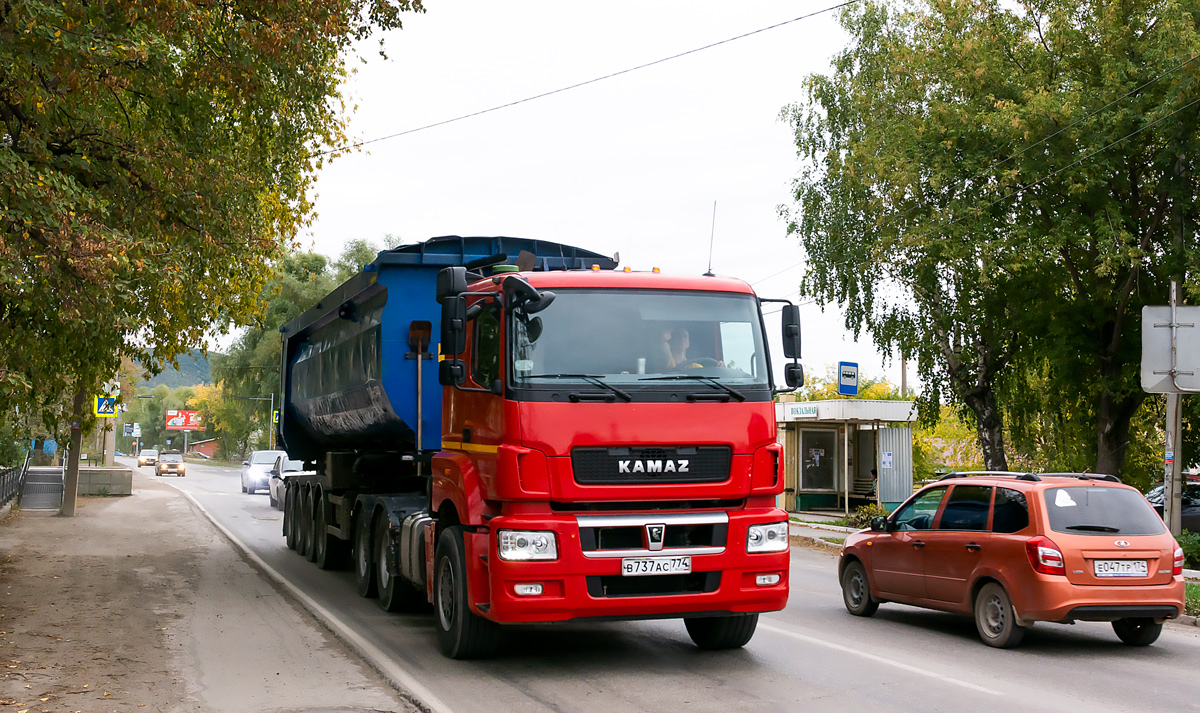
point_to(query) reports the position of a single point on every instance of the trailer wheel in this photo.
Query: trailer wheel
(304, 525)
(722, 632)
(364, 566)
(330, 552)
(395, 594)
(289, 517)
(461, 633)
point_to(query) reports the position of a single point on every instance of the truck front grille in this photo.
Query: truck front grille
(607, 536)
(650, 465)
(614, 585)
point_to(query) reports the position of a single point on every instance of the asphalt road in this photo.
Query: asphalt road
(813, 656)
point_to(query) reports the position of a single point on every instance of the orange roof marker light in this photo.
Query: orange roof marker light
(595, 267)
(656, 269)
(627, 269)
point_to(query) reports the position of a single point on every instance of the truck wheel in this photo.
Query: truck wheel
(721, 632)
(304, 525)
(461, 633)
(395, 593)
(364, 569)
(331, 549)
(289, 517)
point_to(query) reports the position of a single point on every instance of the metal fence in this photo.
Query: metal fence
(12, 480)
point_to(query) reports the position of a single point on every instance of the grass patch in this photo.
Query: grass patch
(840, 522)
(1191, 602)
(834, 540)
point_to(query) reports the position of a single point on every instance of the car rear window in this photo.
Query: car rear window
(1091, 510)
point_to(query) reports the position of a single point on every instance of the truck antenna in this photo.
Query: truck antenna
(710, 240)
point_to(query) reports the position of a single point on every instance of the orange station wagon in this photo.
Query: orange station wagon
(1015, 548)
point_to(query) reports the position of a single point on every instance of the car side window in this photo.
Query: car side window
(919, 512)
(1010, 512)
(967, 508)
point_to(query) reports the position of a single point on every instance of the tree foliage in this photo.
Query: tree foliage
(983, 188)
(153, 158)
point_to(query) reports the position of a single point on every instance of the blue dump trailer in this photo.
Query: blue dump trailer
(351, 378)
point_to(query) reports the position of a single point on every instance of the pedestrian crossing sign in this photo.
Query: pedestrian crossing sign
(106, 406)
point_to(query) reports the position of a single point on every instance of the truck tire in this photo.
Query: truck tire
(330, 552)
(289, 517)
(395, 593)
(722, 632)
(461, 633)
(364, 565)
(305, 525)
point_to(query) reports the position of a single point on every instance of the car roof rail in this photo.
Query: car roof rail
(984, 473)
(1029, 476)
(1087, 476)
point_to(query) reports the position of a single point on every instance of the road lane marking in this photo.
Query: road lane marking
(878, 659)
(382, 663)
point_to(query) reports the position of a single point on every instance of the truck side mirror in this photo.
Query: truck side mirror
(452, 372)
(451, 282)
(791, 331)
(793, 374)
(454, 325)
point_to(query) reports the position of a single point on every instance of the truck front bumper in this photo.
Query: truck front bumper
(586, 580)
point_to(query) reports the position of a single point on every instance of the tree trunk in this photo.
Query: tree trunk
(1112, 430)
(990, 427)
(71, 472)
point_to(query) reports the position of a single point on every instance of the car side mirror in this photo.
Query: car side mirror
(879, 524)
(245, 462)
(275, 472)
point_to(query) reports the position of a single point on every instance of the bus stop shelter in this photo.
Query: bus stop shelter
(831, 447)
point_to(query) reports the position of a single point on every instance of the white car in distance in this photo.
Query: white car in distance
(256, 470)
(284, 468)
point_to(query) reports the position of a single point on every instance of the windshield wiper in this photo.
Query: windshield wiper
(711, 381)
(595, 379)
(1094, 528)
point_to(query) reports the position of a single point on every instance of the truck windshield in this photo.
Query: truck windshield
(642, 338)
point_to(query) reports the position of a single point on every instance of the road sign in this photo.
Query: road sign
(137, 430)
(106, 406)
(1156, 349)
(275, 418)
(129, 429)
(847, 378)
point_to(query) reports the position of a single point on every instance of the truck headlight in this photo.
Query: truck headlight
(767, 538)
(521, 545)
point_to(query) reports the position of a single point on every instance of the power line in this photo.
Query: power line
(585, 83)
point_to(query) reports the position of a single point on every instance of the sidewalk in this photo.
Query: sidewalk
(139, 604)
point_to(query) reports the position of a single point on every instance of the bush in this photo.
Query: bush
(864, 514)
(1190, 542)
(1191, 602)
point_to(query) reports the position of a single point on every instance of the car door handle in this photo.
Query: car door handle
(918, 544)
(972, 547)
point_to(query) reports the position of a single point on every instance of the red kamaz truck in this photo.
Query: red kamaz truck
(515, 431)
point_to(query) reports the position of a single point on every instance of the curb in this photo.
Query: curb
(831, 528)
(815, 543)
(405, 683)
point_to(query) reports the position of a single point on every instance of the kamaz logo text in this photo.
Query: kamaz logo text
(653, 466)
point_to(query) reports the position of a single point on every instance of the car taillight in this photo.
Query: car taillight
(1045, 556)
(1178, 568)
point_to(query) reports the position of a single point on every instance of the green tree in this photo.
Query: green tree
(153, 157)
(973, 200)
(355, 255)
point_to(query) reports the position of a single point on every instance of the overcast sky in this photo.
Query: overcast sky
(630, 164)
